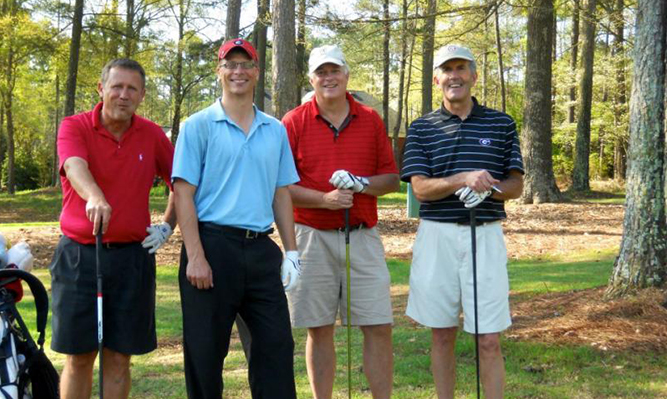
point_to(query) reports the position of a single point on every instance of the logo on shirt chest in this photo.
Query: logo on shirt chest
(141, 157)
(485, 142)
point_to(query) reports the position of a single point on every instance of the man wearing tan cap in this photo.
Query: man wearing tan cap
(231, 170)
(344, 160)
(461, 156)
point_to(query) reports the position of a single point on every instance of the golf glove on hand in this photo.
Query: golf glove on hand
(344, 180)
(290, 270)
(158, 234)
(471, 198)
(20, 256)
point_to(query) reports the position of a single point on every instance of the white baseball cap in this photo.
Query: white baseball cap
(325, 55)
(451, 52)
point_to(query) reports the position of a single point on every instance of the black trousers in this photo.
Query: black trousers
(246, 279)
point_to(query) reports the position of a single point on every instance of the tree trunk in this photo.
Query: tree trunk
(284, 56)
(485, 57)
(401, 84)
(73, 68)
(501, 73)
(427, 57)
(642, 261)
(573, 60)
(177, 86)
(385, 65)
(129, 29)
(301, 49)
(233, 19)
(580, 173)
(620, 101)
(536, 146)
(11, 151)
(263, 19)
(3, 144)
(55, 180)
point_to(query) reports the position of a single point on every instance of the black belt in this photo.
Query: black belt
(466, 222)
(353, 227)
(116, 245)
(235, 231)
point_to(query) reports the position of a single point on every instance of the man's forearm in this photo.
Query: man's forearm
(382, 184)
(511, 188)
(435, 188)
(170, 212)
(78, 174)
(284, 217)
(303, 197)
(187, 218)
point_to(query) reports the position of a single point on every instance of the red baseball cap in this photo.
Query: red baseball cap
(237, 43)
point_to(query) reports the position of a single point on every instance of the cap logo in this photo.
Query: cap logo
(238, 42)
(452, 48)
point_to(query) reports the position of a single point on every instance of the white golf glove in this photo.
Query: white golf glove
(344, 180)
(158, 234)
(471, 198)
(290, 270)
(20, 256)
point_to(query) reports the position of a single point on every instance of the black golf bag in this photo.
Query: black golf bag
(25, 371)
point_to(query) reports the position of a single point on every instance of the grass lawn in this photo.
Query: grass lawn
(534, 370)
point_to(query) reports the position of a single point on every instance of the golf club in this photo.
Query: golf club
(100, 338)
(349, 323)
(473, 238)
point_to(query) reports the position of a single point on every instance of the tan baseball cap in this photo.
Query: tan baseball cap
(325, 55)
(451, 52)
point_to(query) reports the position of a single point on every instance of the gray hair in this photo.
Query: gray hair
(345, 69)
(472, 65)
(124, 63)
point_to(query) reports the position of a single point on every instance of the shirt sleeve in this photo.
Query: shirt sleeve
(189, 153)
(71, 142)
(385, 162)
(513, 158)
(415, 159)
(287, 171)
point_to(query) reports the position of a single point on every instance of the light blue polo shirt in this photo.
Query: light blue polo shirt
(236, 175)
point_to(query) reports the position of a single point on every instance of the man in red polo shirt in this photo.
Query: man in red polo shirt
(108, 160)
(344, 160)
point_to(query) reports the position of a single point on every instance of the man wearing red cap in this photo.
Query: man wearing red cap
(231, 171)
(345, 161)
(108, 160)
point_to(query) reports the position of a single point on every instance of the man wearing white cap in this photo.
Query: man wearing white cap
(344, 160)
(460, 156)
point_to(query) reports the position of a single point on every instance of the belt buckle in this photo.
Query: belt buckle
(251, 235)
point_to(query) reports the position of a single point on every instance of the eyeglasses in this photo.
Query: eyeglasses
(232, 65)
(321, 73)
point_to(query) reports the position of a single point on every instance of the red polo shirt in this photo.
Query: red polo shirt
(123, 169)
(362, 148)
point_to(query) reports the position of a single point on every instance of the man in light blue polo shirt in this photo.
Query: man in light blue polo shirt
(231, 170)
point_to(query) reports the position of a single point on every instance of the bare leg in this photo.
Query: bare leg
(443, 361)
(379, 359)
(492, 365)
(321, 361)
(117, 380)
(76, 379)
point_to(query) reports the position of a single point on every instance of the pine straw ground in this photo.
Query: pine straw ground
(532, 232)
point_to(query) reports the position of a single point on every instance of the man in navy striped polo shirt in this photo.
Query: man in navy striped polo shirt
(459, 156)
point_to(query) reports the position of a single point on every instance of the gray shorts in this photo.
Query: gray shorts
(321, 292)
(128, 298)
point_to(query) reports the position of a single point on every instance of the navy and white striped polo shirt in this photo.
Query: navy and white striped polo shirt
(440, 144)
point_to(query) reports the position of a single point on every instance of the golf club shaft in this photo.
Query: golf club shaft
(100, 337)
(473, 239)
(349, 322)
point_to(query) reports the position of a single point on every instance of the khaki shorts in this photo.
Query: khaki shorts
(321, 291)
(441, 281)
